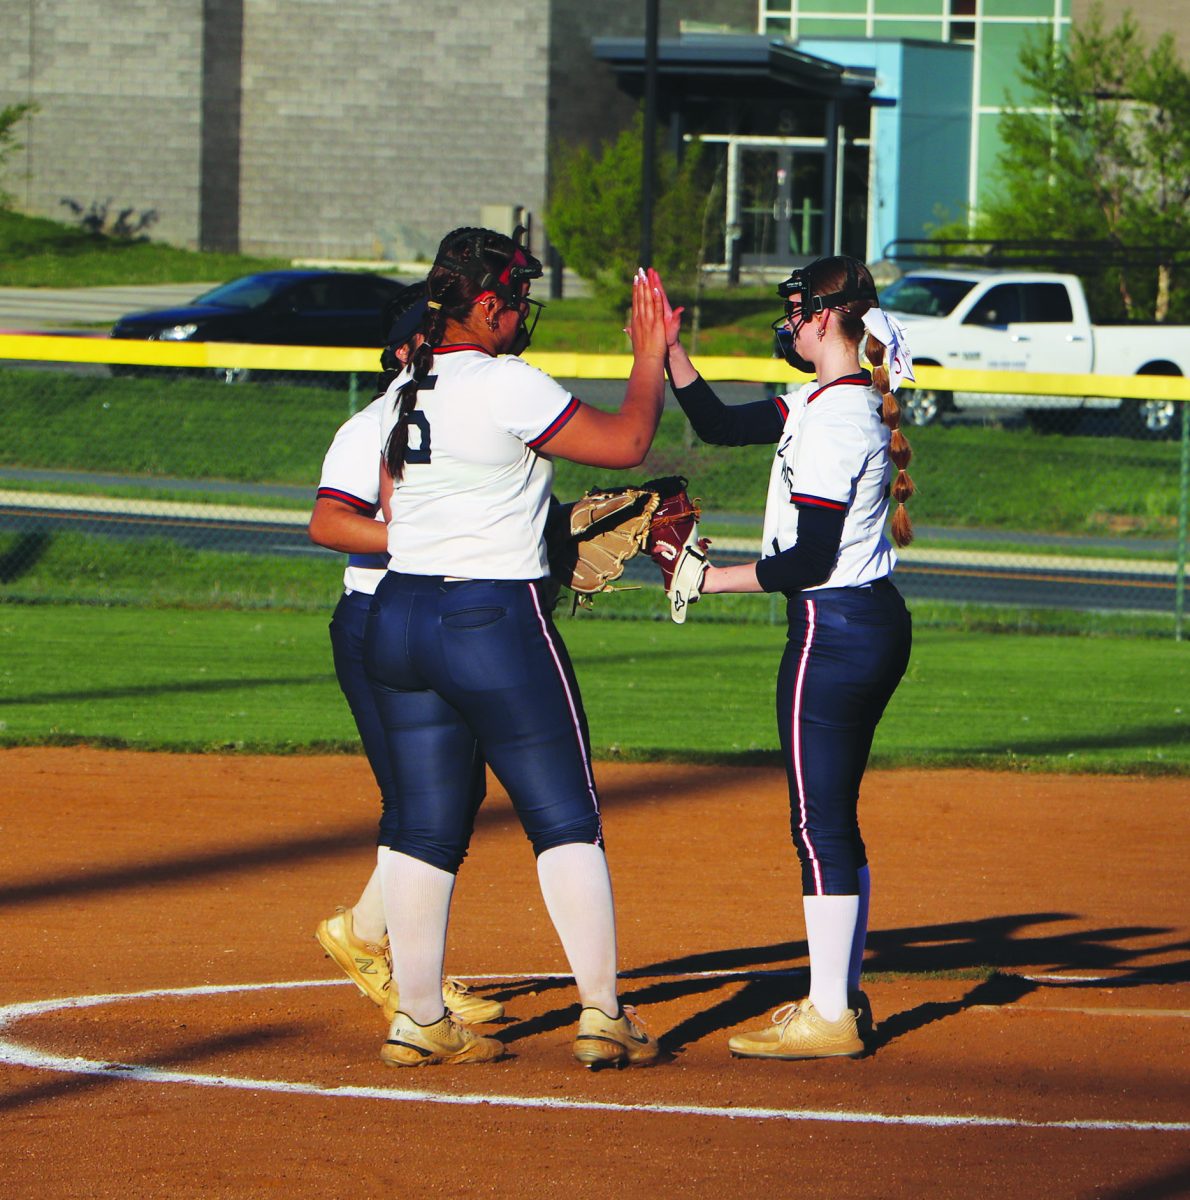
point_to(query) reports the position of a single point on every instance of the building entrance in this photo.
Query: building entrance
(780, 204)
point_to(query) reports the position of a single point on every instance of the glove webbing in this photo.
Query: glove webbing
(673, 518)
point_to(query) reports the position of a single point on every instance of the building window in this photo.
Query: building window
(962, 30)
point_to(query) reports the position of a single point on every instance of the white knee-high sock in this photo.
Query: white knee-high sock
(856, 968)
(367, 917)
(830, 928)
(417, 905)
(577, 890)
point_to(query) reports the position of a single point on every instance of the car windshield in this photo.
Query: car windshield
(924, 295)
(250, 292)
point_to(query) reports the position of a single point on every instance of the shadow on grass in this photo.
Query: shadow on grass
(23, 554)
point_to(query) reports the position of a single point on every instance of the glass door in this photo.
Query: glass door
(780, 205)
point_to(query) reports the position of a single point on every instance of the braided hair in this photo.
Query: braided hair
(835, 279)
(469, 262)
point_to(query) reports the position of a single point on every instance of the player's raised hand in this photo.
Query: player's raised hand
(646, 327)
(671, 316)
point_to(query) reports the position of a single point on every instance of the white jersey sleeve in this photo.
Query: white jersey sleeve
(828, 456)
(351, 476)
(529, 404)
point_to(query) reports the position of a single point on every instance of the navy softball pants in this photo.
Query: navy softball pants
(465, 671)
(347, 648)
(847, 651)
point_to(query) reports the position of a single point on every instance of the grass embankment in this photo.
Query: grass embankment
(174, 680)
(35, 252)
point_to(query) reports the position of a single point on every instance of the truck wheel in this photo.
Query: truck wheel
(1151, 419)
(923, 406)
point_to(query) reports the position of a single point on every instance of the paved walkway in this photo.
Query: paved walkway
(25, 309)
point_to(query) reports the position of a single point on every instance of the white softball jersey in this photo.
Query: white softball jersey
(833, 453)
(351, 475)
(473, 499)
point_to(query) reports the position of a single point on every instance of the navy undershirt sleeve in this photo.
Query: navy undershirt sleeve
(756, 424)
(810, 560)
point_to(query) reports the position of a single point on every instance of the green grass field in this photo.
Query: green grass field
(173, 648)
(173, 679)
(967, 477)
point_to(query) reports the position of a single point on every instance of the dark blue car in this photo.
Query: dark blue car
(285, 308)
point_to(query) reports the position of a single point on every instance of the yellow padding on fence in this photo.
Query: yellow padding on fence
(62, 348)
(65, 348)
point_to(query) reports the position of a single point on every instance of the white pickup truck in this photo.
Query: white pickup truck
(1028, 321)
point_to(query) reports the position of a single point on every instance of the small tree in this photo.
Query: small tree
(10, 117)
(1099, 151)
(595, 209)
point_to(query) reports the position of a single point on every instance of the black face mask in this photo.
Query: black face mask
(524, 333)
(785, 338)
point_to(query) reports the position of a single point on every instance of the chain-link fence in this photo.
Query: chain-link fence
(168, 487)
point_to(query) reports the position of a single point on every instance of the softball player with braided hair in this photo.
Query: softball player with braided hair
(840, 453)
(345, 518)
(460, 645)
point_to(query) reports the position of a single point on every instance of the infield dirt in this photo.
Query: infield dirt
(126, 872)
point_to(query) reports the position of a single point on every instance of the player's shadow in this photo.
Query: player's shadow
(997, 952)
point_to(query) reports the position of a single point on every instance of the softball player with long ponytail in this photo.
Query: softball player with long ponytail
(346, 518)
(839, 454)
(460, 645)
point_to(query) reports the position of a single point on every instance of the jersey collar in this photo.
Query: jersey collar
(455, 347)
(859, 379)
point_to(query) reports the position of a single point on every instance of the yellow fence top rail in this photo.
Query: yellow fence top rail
(200, 355)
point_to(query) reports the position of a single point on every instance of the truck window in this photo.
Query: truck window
(999, 306)
(1047, 303)
(924, 295)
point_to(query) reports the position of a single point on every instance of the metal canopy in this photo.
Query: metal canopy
(733, 59)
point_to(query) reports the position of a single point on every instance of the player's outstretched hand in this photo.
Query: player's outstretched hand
(670, 315)
(646, 327)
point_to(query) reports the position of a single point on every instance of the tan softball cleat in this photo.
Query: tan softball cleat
(369, 966)
(459, 1000)
(447, 1041)
(467, 1006)
(366, 964)
(799, 1031)
(622, 1041)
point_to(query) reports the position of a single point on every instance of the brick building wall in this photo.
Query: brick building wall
(317, 128)
(371, 129)
(116, 83)
(337, 128)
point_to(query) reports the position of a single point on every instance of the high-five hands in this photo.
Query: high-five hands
(647, 325)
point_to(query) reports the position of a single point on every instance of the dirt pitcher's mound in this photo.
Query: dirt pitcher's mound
(1063, 1074)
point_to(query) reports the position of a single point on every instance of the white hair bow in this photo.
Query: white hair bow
(891, 332)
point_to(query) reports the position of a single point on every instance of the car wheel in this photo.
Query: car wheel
(923, 406)
(232, 374)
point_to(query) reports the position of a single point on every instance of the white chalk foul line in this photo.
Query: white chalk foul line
(14, 1054)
